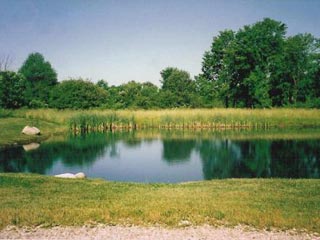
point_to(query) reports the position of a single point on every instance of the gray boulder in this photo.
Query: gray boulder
(30, 130)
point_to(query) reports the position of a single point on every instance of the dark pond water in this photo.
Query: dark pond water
(172, 156)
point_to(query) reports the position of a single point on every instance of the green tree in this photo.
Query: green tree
(293, 78)
(240, 65)
(40, 77)
(103, 84)
(258, 89)
(315, 98)
(179, 83)
(114, 100)
(77, 94)
(213, 83)
(168, 99)
(299, 57)
(12, 87)
(149, 96)
(253, 52)
(315, 71)
(129, 93)
(135, 95)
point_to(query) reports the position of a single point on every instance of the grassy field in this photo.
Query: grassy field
(32, 200)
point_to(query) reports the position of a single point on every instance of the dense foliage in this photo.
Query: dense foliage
(41, 77)
(76, 94)
(257, 66)
(132, 95)
(12, 88)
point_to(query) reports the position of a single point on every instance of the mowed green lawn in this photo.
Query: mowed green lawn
(10, 130)
(31, 200)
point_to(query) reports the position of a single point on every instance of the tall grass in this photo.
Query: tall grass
(103, 120)
(4, 113)
(88, 122)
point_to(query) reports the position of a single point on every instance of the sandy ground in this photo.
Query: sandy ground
(118, 232)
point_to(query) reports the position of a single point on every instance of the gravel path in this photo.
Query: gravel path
(118, 232)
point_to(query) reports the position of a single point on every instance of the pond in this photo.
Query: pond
(172, 156)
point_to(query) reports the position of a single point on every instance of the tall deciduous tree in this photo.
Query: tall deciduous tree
(213, 83)
(316, 77)
(258, 66)
(249, 60)
(299, 52)
(241, 64)
(178, 84)
(40, 76)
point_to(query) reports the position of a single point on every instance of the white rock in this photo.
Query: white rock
(184, 223)
(31, 146)
(65, 175)
(71, 175)
(80, 175)
(30, 130)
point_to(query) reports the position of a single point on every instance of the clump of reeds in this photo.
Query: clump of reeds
(86, 122)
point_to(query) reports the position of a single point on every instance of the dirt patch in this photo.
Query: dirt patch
(159, 233)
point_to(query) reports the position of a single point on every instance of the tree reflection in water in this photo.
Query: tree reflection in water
(177, 150)
(75, 151)
(260, 158)
(220, 158)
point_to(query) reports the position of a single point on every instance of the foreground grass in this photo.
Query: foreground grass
(30, 200)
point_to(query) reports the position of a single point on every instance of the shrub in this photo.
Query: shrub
(77, 94)
(12, 86)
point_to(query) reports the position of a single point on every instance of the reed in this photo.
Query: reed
(93, 122)
(106, 120)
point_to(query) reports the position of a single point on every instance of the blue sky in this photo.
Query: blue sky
(119, 40)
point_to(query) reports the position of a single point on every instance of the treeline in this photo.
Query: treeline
(254, 67)
(258, 66)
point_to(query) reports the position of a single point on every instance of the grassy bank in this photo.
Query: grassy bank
(179, 118)
(11, 128)
(29, 200)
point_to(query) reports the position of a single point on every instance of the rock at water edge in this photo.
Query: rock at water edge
(71, 175)
(30, 130)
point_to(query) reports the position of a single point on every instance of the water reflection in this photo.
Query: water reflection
(260, 158)
(75, 151)
(297, 159)
(177, 150)
(217, 157)
(220, 158)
